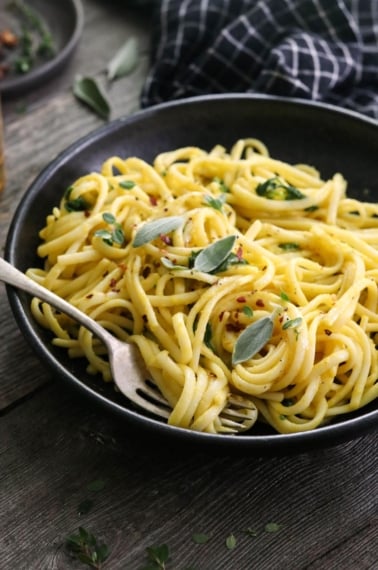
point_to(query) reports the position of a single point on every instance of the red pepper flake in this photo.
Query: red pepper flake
(239, 252)
(153, 200)
(113, 283)
(234, 327)
(165, 239)
(328, 332)
(89, 296)
(221, 315)
(146, 271)
(241, 299)
(86, 213)
(260, 303)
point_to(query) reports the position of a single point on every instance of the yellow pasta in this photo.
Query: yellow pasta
(232, 271)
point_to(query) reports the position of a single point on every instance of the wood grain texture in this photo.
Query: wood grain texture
(40, 125)
(53, 443)
(325, 504)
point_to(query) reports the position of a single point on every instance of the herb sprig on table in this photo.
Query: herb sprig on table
(35, 41)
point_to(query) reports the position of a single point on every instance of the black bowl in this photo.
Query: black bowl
(331, 139)
(64, 20)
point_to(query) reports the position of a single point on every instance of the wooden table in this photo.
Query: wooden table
(65, 464)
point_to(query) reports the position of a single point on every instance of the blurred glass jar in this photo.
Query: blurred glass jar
(2, 168)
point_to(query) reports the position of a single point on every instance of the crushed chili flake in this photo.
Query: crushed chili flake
(113, 283)
(327, 332)
(234, 327)
(260, 303)
(221, 315)
(166, 239)
(239, 252)
(89, 296)
(146, 271)
(241, 299)
(87, 213)
(153, 200)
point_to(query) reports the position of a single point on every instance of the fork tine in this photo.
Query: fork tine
(238, 415)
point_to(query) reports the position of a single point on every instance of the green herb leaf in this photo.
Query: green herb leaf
(105, 235)
(200, 538)
(124, 61)
(85, 506)
(272, 527)
(158, 556)
(76, 205)
(108, 218)
(251, 532)
(96, 485)
(231, 542)
(127, 184)
(275, 189)
(87, 90)
(311, 208)
(292, 324)
(85, 548)
(168, 263)
(247, 311)
(210, 258)
(151, 230)
(289, 246)
(284, 296)
(216, 203)
(252, 339)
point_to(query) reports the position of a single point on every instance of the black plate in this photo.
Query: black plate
(332, 140)
(64, 20)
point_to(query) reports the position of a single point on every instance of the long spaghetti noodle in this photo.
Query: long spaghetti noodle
(294, 264)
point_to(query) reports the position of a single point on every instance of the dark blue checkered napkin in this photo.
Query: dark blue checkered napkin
(324, 50)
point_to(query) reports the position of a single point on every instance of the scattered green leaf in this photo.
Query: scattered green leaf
(247, 311)
(85, 548)
(85, 506)
(252, 339)
(289, 246)
(275, 189)
(124, 61)
(209, 259)
(127, 184)
(96, 485)
(250, 532)
(292, 323)
(216, 203)
(78, 204)
(231, 542)
(200, 538)
(272, 527)
(151, 230)
(157, 556)
(168, 263)
(87, 90)
(284, 296)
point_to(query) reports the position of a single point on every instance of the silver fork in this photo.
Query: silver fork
(128, 369)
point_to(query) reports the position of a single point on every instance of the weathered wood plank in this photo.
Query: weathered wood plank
(325, 505)
(51, 121)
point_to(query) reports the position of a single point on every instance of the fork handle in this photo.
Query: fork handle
(12, 276)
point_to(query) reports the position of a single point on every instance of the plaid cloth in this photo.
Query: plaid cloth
(324, 50)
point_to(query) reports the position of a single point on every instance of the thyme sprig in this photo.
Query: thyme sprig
(86, 549)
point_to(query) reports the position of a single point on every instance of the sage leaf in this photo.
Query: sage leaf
(231, 542)
(124, 61)
(168, 263)
(151, 230)
(214, 255)
(87, 90)
(293, 323)
(252, 339)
